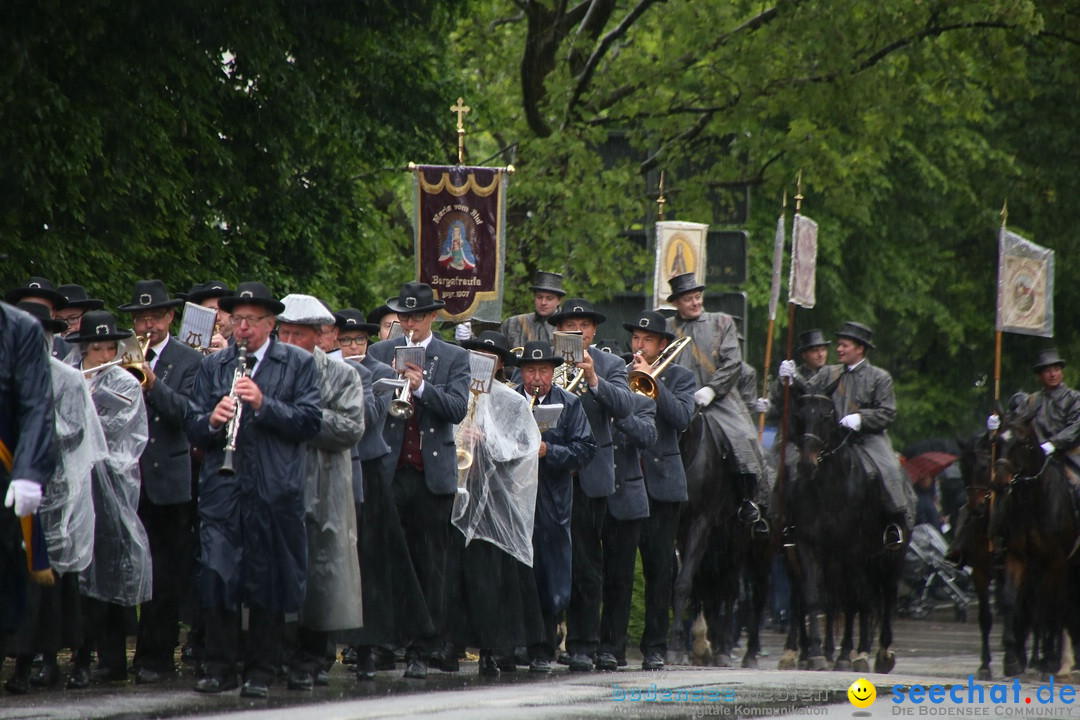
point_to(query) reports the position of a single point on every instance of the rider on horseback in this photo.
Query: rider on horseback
(1054, 413)
(864, 400)
(715, 360)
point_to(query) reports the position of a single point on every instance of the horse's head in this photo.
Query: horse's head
(975, 468)
(1019, 454)
(816, 429)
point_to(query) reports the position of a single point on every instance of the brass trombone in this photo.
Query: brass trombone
(643, 382)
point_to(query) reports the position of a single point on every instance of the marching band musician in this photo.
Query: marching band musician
(120, 575)
(866, 405)
(665, 479)
(716, 363)
(77, 303)
(54, 617)
(27, 447)
(604, 396)
(165, 506)
(564, 449)
(495, 515)
(547, 292)
(423, 463)
(333, 600)
(627, 508)
(41, 290)
(252, 532)
(384, 318)
(208, 295)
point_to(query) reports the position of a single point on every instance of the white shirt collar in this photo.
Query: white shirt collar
(853, 368)
(157, 351)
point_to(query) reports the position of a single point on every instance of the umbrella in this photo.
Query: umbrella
(927, 465)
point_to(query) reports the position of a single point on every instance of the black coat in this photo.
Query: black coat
(166, 461)
(631, 436)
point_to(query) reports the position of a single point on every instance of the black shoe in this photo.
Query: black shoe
(444, 659)
(488, 665)
(564, 658)
(521, 657)
(215, 684)
(19, 683)
(348, 655)
(507, 663)
(254, 689)
(47, 676)
(79, 678)
(365, 665)
(540, 666)
(191, 654)
(580, 662)
(653, 661)
(104, 674)
(893, 537)
(416, 669)
(299, 680)
(749, 512)
(322, 678)
(146, 676)
(383, 658)
(606, 662)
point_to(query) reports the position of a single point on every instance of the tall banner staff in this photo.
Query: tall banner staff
(774, 300)
(801, 292)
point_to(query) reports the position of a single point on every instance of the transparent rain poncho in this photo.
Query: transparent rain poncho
(499, 501)
(67, 507)
(120, 571)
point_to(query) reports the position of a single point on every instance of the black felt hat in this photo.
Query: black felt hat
(651, 321)
(75, 297)
(576, 307)
(548, 282)
(614, 347)
(351, 319)
(252, 293)
(858, 332)
(492, 342)
(1047, 358)
(415, 297)
(42, 315)
(150, 295)
(539, 351)
(97, 326)
(207, 290)
(375, 316)
(811, 339)
(36, 287)
(682, 284)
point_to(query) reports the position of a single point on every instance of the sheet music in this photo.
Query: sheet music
(414, 354)
(569, 346)
(197, 325)
(547, 416)
(395, 331)
(482, 370)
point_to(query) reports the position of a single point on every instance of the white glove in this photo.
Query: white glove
(1048, 448)
(25, 496)
(852, 421)
(993, 422)
(705, 396)
(787, 371)
(463, 331)
(762, 405)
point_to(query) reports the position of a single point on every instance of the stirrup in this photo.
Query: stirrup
(749, 512)
(788, 536)
(760, 527)
(892, 544)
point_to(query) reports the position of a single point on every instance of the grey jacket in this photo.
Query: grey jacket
(665, 477)
(612, 399)
(520, 329)
(630, 437)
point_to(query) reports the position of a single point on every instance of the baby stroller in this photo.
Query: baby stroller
(932, 582)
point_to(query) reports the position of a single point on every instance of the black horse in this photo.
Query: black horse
(1037, 520)
(838, 565)
(710, 536)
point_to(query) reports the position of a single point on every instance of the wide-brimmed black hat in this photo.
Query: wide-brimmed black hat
(375, 316)
(651, 321)
(36, 287)
(75, 297)
(1048, 357)
(42, 315)
(415, 297)
(682, 284)
(207, 290)
(97, 326)
(576, 307)
(614, 347)
(252, 293)
(539, 351)
(352, 319)
(150, 295)
(811, 339)
(547, 282)
(857, 332)
(492, 342)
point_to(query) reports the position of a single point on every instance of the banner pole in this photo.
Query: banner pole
(782, 470)
(777, 272)
(997, 369)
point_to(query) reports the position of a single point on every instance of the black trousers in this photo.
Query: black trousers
(587, 573)
(657, 545)
(105, 627)
(545, 649)
(425, 521)
(620, 551)
(313, 650)
(170, 531)
(262, 651)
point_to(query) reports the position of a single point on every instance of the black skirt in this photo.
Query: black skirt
(501, 602)
(53, 618)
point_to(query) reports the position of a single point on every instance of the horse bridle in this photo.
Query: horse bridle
(1020, 479)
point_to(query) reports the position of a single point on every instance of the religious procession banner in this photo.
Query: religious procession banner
(680, 248)
(1025, 299)
(460, 243)
(777, 266)
(801, 282)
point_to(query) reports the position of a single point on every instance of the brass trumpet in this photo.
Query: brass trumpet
(400, 407)
(644, 382)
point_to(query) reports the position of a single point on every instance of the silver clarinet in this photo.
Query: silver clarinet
(232, 428)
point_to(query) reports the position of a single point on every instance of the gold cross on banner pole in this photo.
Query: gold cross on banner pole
(461, 108)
